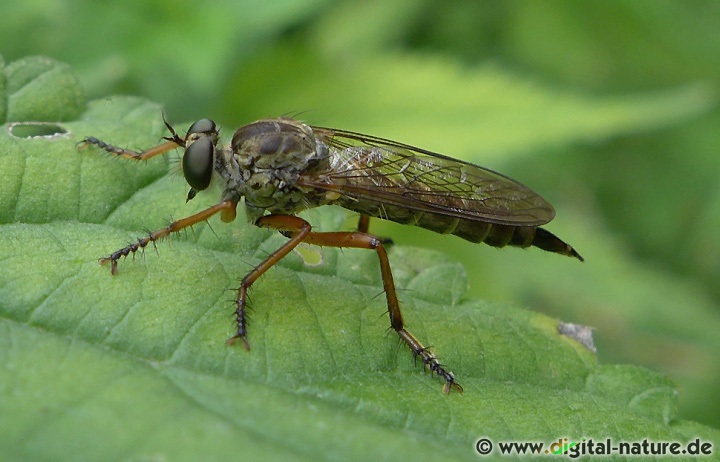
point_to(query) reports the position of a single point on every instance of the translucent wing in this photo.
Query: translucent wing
(366, 169)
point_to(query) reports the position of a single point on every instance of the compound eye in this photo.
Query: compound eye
(197, 164)
(203, 126)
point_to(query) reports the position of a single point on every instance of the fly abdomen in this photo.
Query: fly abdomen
(494, 234)
(498, 235)
(546, 240)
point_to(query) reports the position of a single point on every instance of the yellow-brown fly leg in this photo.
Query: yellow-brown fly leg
(364, 226)
(170, 143)
(299, 231)
(128, 153)
(227, 207)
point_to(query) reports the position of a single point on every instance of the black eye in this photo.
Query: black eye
(202, 126)
(197, 164)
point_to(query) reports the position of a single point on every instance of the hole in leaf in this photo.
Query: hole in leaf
(36, 130)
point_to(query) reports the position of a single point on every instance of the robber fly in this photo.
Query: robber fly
(282, 166)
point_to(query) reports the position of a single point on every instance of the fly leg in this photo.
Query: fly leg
(170, 143)
(129, 153)
(364, 226)
(300, 231)
(227, 207)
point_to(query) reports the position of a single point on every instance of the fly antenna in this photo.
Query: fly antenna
(174, 138)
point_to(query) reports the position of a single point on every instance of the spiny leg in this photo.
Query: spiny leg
(227, 207)
(128, 153)
(170, 143)
(300, 231)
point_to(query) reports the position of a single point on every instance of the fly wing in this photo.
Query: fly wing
(384, 172)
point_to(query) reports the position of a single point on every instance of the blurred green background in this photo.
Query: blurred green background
(608, 109)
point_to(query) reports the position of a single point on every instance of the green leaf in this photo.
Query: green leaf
(40, 88)
(135, 366)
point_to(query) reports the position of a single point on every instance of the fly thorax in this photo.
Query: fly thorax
(271, 154)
